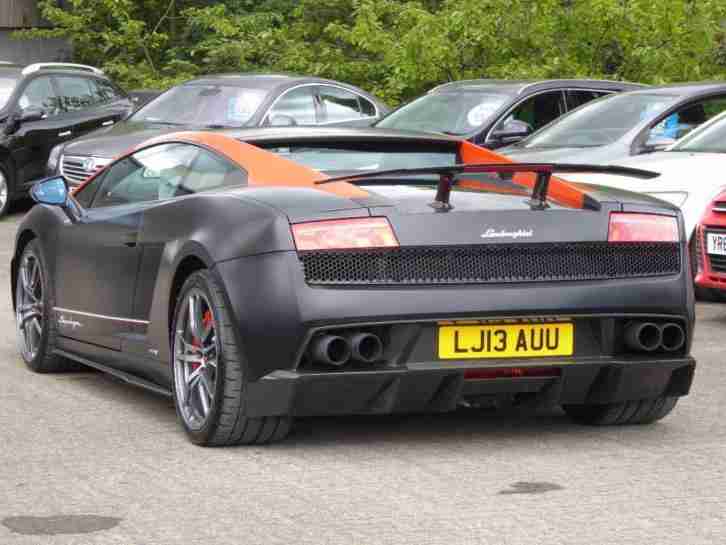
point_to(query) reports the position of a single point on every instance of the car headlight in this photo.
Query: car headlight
(677, 198)
(54, 159)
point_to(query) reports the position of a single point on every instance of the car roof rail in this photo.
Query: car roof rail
(50, 65)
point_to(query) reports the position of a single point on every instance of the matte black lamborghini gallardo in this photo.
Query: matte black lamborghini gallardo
(261, 275)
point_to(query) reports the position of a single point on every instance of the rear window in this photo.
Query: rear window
(360, 159)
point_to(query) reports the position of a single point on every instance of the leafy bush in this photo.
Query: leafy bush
(395, 49)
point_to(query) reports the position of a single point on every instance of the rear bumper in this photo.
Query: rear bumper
(439, 387)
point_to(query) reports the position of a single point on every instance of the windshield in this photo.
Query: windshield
(452, 113)
(600, 122)
(710, 138)
(345, 160)
(7, 86)
(203, 105)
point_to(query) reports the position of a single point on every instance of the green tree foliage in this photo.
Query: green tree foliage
(396, 49)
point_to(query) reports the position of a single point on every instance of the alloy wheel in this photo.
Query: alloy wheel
(29, 306)
(196, 353)
(3, 190)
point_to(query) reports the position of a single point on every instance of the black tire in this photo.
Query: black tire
(7, 181)
(225, 423)
(43, 360)
(645, 411)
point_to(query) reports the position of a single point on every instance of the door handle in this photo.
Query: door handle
(108, 123)
(64, 133)
(130, 239)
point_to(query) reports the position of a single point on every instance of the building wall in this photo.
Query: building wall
(30, 51)
(17, 14)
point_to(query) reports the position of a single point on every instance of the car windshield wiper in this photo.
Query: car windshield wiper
(447, 177)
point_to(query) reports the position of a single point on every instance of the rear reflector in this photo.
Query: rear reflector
(626, 227)
(344, 234)
(511, 372)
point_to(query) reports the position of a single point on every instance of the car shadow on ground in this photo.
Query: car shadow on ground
(510, 425)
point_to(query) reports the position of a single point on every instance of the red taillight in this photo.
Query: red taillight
(342, 234)
(626, 227)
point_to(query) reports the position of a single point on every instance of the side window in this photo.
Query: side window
(148, 175)
(338, 104)
(576, 98)
(367, 108)
(103, 91)
(39, 93)
(295, 107)
(84, 196)
(75, 93)
(164, 172)
(537, 111)
(687, 118)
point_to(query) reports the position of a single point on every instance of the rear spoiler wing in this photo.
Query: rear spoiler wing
(447, 177)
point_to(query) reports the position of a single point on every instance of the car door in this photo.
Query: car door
(31, 142)
(296, 106)
(533, 112)
(80, 100)
(341, 106)
(99, 256)
(678, 122)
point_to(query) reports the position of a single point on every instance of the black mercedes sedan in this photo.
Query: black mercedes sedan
(220, 102)
(262, 275)
(495, 113)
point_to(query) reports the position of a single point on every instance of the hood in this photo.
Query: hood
(110, 142)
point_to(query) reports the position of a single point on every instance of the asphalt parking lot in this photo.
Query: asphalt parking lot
(85, 459)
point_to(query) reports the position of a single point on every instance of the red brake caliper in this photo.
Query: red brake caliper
(196, 342)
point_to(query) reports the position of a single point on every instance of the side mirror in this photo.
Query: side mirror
(281, 120)
(658, 143)
(512, 131)
(31, 113)
(53, 191)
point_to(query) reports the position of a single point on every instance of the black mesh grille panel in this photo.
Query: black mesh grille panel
(491, 263)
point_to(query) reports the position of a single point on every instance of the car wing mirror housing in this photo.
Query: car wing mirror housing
(658, 143)
(26, 115)
(53, 191)
(512, 131)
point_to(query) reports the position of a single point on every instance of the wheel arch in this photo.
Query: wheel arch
(24, 238)
(188, 265)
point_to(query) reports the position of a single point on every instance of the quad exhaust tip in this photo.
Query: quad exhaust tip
(649, 337)
(674, 337)
(338, 350)
(331, 350)
(365, 347)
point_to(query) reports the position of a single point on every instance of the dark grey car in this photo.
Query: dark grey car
(617, 127)
(494, 113)
(220, 102)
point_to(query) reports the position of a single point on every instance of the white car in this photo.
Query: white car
(692, 171)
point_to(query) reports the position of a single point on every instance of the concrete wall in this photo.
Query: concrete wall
(29, 51)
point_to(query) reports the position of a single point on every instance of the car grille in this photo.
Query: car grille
(493, 263)
(74, 168)
(717, 262)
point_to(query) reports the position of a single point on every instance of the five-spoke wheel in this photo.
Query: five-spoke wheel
(195, 358)
(29, 305)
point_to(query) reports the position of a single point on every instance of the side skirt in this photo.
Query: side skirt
(126, 377)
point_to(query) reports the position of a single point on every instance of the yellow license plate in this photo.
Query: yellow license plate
(506, 341)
